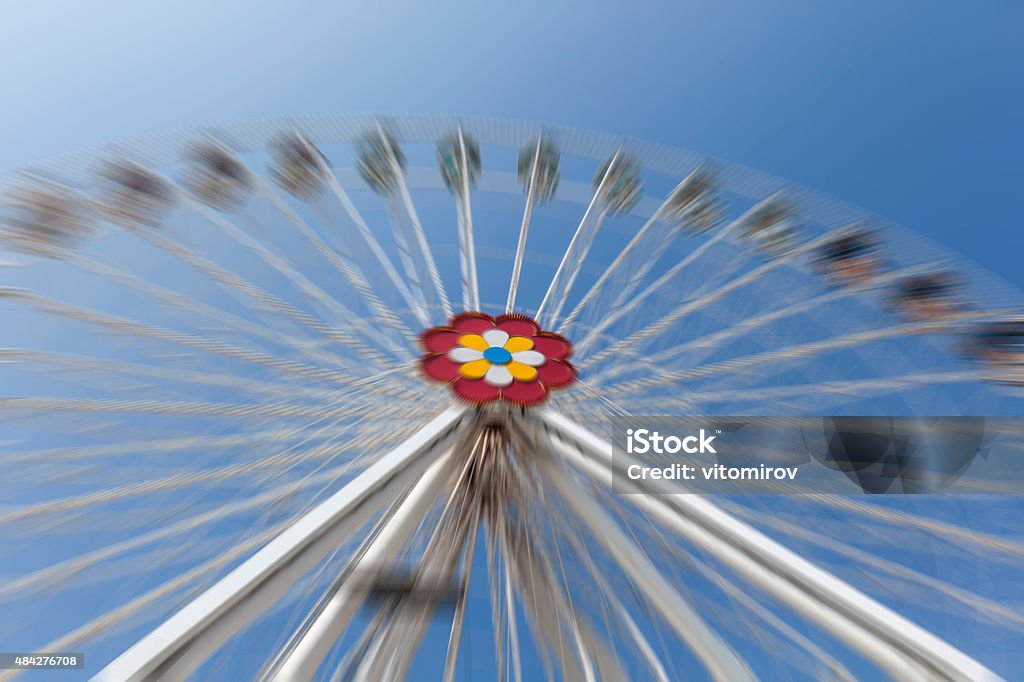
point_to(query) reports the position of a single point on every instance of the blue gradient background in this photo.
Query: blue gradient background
(912, 109)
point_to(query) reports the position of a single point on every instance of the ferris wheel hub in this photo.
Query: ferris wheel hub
(488, 359)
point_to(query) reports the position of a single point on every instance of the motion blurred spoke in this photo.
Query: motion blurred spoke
(344, 265)
(280, 462)
(693, 306)
(799, 352)
(132, 327)
(620, 308)
(850, 387)
(639, 266)
(579, 246)
(58, 573)
(378, 252)
(269, 301)
(743, 328)
(538, 173)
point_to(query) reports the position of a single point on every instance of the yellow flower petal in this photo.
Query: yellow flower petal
(476, 368)
(518, 343)
(521, 372)
(474, 341)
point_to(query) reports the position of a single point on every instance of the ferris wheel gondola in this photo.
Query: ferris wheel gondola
(298, 166)
(458, 158)
(773, 227)
(45, 220)
(216, 177)
(135, 196)
(999, 346)
(380, 160)
(929, 296)
(851, 258)
(696, 205)
(538, 168)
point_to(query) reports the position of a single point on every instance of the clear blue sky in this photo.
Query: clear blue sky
(912, 109)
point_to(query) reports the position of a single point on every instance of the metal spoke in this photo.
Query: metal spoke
(341, 313)
(745, 327)
(182, 480)
(458, 618)
(467, 247)
(551, 615)
(579, 246)
(335, 615)
(897, 645)
(191, 305)
(132, 327)
(267, 300)
(81, 363)
(420, 240)
(798, 352)
(847, 387)
(978, 605)
(343, 264)
(249, 589)
(636, 274)
(376, 249)
(524, 229)
(620, 309)
(689, 307)
(59, 572)
(720, 660)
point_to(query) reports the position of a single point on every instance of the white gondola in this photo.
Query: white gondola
(537, 168)
(773, 227)
(696, 206)
(617, 182)
(380, 160)
(458, 159)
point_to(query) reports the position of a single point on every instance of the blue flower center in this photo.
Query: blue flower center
(497, 356)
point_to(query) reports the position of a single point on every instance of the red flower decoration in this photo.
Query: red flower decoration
(485, 359)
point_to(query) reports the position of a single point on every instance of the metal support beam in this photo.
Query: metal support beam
(551, 617)
(721, 661)
(398, 640)
(893, 642)
(307, 655)
(181, 644)
(524, 230)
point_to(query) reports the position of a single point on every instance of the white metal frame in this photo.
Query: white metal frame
(718, 657)
(307, 655)
(178, 646)
(181, 644)
(905, 650)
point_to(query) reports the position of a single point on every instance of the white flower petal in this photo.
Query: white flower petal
(498, 375)
(462, 355)
(495, 338)
(529, 357)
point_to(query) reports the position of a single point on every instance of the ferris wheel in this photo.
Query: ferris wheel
(333, 398)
